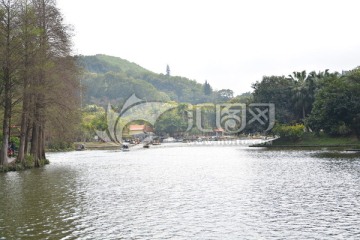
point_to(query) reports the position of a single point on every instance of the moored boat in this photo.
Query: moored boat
(125, 147)
(80, 147)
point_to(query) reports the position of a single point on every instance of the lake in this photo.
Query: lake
(184, 192)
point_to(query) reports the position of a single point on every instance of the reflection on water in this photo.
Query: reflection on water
(184, 192)
(37, 203)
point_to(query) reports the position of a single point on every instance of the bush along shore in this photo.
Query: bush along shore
(29, 163)
(312, 140)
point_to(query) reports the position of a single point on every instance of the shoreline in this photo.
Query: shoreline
(310, 140)
(236, 142)
(307, 141)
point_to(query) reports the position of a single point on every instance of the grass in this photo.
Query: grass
(98, 145)
(322, 140)
(338, 155)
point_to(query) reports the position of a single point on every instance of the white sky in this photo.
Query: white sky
(229, 43)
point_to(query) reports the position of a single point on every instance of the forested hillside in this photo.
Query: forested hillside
(112, 79)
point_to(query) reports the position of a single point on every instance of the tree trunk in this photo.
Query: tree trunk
(10, 111)
(35, 144)
(6, 80)
(24, 128)
(27, 136)
(303, 112)
(5, 142)
(7, 113)
(23, 131)
(42, 143)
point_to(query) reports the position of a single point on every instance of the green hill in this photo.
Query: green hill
(112, 79)
(103, 64)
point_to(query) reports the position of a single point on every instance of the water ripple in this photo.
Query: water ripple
(184, 193)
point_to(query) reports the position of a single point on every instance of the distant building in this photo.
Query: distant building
(139, 129)
(345, 72)
(219, 132)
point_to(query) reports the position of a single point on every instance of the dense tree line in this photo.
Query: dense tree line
(322, 102)
(336, 109)
(38, 77)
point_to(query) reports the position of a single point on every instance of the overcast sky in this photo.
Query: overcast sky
(229, 43)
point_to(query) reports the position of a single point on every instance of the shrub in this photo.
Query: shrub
(340, 129)
(29, 161)
(59, 146)
(289, 132)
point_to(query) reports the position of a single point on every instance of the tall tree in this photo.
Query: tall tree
(337, 106)
(36, 67)
(29, 35)
(9, 50)
(225, 95)
(302, 96)
(207, 88)
(54, 43)
(276, 90)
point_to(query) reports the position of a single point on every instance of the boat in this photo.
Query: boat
(125, 148)
(353, 150)
(80, 147)
(169, 140)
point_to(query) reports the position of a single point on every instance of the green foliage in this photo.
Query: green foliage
(225, 95)
(111, 79)
(276, 90)
(99, 122)
(93, 117)
(310, 139)
(303, 93)
(93, 109)
(56, 146)
(336, 109)
(245, 98)
(15, 141)
(102, 64)
(323, 101)
(289, 132)
(117, 87)
(4, 168)
(28, 163)
(207, 89)
(172, 122)
(39, 79)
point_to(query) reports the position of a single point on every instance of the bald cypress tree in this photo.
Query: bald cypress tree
(9, 49)
(36, 66)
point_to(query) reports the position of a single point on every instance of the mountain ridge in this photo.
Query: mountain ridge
(113, 79)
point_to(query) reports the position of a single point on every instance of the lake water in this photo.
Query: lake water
(188, 192)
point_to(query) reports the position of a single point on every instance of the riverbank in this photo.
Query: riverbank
(98, 145)
(13, 166)
(312, 140)
(229, 142)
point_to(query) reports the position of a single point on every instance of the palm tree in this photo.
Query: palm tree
(305, 89)
(302, 94)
